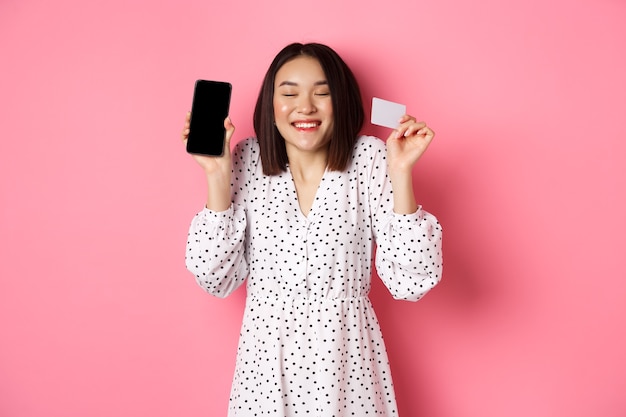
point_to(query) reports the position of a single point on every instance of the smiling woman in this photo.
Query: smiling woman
(527, 174)
(309, 199)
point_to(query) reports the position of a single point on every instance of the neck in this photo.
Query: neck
(305, 165)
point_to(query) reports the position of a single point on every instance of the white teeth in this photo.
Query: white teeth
(305, 125)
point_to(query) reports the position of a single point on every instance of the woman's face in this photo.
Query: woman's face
(303, 108)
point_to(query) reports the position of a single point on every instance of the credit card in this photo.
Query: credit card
(387, 113)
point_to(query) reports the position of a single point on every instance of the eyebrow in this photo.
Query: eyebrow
(291, 83)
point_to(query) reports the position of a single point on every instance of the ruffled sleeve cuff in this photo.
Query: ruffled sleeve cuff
(222, 223)
(408, 220)
(216, 216)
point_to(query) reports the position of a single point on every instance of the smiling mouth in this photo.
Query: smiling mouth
(306, 125)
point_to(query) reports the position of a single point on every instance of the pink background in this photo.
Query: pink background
(98, 316)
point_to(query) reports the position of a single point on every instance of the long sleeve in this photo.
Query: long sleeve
(216, 250)
(408, 257)
(216, 244)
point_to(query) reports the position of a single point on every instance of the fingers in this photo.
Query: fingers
(230, 129)
(185, 133)
(409, 126)
(209, 162)
(228, 125)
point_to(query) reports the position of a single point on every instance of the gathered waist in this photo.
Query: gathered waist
(289, 299)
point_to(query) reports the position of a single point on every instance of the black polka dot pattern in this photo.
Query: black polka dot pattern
(310, 342)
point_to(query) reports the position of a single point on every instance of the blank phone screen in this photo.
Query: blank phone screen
(211, 100)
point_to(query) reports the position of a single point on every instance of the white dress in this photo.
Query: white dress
(310, 343)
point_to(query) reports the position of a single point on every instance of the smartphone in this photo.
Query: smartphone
(209, 108)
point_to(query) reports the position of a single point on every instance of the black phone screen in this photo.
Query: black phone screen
(211, 101)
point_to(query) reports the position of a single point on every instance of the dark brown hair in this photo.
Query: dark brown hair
(346, 101)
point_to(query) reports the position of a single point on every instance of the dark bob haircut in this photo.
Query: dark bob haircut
(345, 98)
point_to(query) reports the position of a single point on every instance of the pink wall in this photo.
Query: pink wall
(98, 316)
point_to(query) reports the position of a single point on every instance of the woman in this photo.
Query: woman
(297, 213)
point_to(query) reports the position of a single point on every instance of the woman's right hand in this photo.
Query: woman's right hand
(216, 168)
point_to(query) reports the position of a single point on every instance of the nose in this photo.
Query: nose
(305, 104)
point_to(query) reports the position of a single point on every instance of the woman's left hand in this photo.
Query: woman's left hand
(407, 143)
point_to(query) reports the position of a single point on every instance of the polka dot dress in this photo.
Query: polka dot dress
(310, 342)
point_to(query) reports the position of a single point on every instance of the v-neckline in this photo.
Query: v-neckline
(316, 196)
